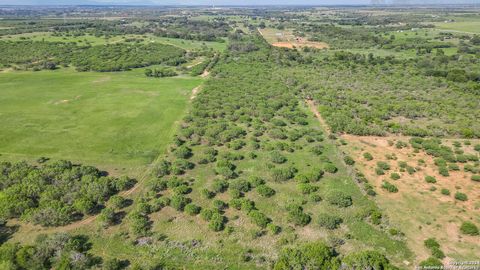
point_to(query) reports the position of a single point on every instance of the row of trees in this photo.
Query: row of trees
(114, 57)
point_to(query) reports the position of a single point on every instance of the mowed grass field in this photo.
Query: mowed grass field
(114, 120)
(467, 26)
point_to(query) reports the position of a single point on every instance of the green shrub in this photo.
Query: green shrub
(106, 217)
(443, 171)
(477, 147)
(445, 191)
(339, 198)
(192, 209)
(461, 196)
(265, 191)
(330, 168)
(368, 259)
(475, 178)
(255, 181)
(383, 165)
(217, 222)
(389, 187)
(317, 149)
(297, 216)
(277, 158)
(274, 229)
(437, 253)
(328, 221)
(431, 243)
(283, 174)
(207, 194)
(395, 176)
(315, 197)
(183, 152)
(368, 156)
(206, 214)
(307, 188)
(259, 218)
(220, 205)
(315, 255)
(469, 228)
(349, 160)
(178, 202)
(376, 217)
(379, 171)
(220, 185)
(453, 167)
(117, 202)
(430, 179)
(431, 262)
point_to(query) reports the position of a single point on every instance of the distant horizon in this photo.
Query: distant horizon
(230, 3)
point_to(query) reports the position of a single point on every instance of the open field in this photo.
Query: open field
(419, 208)
(113, 119)
(470, 26)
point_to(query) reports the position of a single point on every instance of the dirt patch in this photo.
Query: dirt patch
(195, 92)
(419, 209)
(65, 101)
(103, 79)
(310, 44)
(205, 73)
(286, 39)
(283, 45)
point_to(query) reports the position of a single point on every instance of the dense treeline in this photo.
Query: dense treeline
(190, 29)
(55, 193)
(114, 57)
(342, 38)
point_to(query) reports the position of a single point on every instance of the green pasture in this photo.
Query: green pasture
(467, 26)
(107, 119)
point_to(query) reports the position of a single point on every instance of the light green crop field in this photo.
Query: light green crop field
(470, 26)
(114, 120)
(94, 40)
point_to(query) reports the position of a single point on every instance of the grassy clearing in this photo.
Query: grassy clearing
(110, 119)
(469, 26)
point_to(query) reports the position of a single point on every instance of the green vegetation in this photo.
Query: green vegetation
(240, 174)
(89, 117)
(116, 57)
(54, 194)
(469, 228)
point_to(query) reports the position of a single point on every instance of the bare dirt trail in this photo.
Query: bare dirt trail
(195, 92)
(313, 108)
(205, 73)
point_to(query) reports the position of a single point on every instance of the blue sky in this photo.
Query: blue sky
(216, 2)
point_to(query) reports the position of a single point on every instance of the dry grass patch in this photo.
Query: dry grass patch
(420, 210)
(286, 39)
